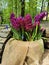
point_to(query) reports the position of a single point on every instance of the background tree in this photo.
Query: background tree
(42, 5)
(22, 8)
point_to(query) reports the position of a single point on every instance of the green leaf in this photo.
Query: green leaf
(16, 34)
(27, 36)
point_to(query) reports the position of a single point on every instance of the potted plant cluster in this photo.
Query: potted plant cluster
(27, 39)
(24, 29)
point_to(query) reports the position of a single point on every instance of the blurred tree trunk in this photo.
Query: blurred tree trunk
(29, 6)
(47, 10)
(22, 8)
(15, 6)
(42, 6)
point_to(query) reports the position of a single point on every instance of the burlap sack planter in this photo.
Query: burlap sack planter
(22, 52)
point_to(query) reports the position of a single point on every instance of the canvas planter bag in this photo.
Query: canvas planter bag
(22, 52)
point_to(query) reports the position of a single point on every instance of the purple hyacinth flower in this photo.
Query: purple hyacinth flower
(15, 23)
(28, 22)
(12, 15)
(21, 21)
(40, 16)
(28, 18)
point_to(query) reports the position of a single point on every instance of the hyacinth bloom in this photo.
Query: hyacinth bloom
(28, 22)
(40, 16)
(21, 21)
(28, 19)
(28, 27)
(14, 22)
(36, 23)
(12, 16)
(24, 28)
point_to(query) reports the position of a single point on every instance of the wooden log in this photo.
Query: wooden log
(47, 32)
(1, 45)
(47, 39)
(5, 30)
(0, 50)
(45, 25)
(3, 26)
(2, 40)
(46, 43)
(4, 35)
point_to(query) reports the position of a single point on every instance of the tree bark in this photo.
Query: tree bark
(16, 6)
(47, 11)
(22, 8)
(42, 5)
